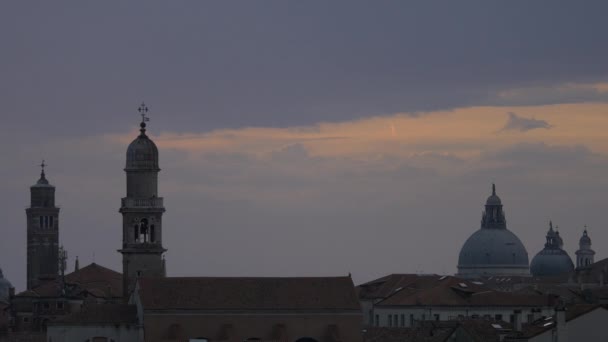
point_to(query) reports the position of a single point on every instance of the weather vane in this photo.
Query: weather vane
(143, 110)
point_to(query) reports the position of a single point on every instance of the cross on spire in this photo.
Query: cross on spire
(143, 110)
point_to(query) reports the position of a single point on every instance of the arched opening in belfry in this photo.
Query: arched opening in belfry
(144, 231)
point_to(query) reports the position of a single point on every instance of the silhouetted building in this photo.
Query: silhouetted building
(142, 211)
(493, 250)
(552, 260)
(42, 233)
(584, 255)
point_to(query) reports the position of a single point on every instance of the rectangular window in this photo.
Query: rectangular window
(46, 221)
(51, 223)
(390, 320)
(511, 319)
(437, 317)
(498, 317)
(411, 320)
(41, 222)
(46, 306)
(377, 320)
(396, 320)
(371, 317)
(60, 305)
(530, 318)
(423, 317)
(402, 320)
(26, 319)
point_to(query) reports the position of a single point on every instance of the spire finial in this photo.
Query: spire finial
(42, 165)
(551, 224)
(143, 110)
(493, 189)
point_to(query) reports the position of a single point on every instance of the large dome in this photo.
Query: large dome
(142, 153)
(493, 250)
(551, 262)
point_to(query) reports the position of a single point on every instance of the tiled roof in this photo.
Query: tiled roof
(479, 330)
(94, 279)
(384, 287)
(101, 314)
(433, 332)
(546, 323)
(453, 291)
(210, 293)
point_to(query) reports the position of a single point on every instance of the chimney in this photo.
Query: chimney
(76, 265)
(536, 314)
(561, 325)
(517, 318)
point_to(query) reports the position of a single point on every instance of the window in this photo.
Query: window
(411, 320)
(511, 318)
(530, 318)
(437, 317)
(475, 316)
(26, 319)
(371, 317)
(51, 219)
(377, 320)
(390, 320)
(402, 320)
(41, 222)
(46, 306)
(423, 317)
(396, 320)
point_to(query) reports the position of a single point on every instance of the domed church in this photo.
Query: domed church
(493, 250)
(552, 260)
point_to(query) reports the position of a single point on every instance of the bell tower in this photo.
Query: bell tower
(584, 255)
(142, 211)
(42, 233)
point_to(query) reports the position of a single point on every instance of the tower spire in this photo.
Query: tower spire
(493, 189)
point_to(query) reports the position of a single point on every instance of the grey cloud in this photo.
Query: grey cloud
(519, 123)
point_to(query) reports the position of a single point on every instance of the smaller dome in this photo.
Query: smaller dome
(142, 153)
(585, 239)
(550, 262)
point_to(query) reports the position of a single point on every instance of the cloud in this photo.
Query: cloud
(518, 123)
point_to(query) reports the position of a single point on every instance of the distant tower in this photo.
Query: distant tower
(142, 211)
(584, 255)
(42, 233)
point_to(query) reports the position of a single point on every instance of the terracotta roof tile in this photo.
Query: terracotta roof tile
(101, 314)
(95, 279)
(209, 293)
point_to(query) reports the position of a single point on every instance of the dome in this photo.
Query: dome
(550, 262)
(142, 153)
(493, 250)
(5, 286)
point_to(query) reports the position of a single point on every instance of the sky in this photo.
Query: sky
(307, 138)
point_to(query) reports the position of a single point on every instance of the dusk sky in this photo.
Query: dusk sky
(307, 138)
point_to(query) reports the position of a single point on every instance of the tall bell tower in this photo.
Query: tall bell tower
(142, 212)
(42, 233)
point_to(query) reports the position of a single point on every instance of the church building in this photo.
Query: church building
(493, 250)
